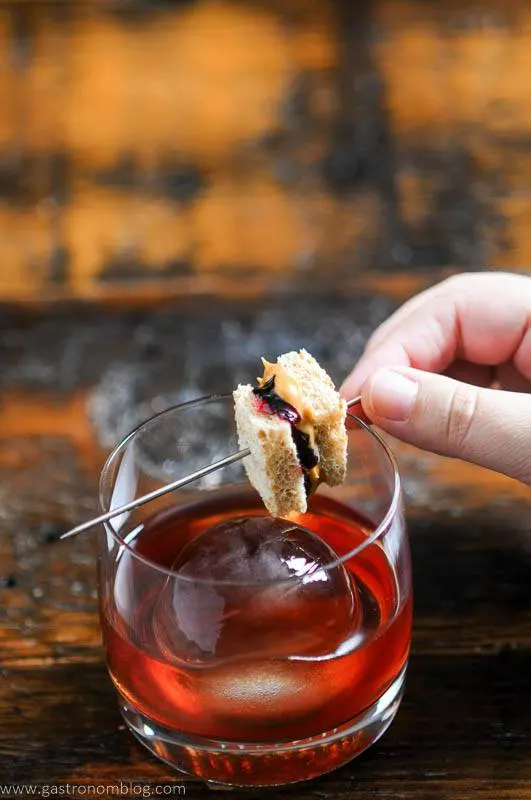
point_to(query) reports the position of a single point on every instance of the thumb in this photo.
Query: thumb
(485, 426)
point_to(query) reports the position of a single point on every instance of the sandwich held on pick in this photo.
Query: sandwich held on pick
(293, 422)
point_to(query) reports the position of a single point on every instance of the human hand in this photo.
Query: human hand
(475, 330)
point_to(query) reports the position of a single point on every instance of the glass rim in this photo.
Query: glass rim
(379, 530)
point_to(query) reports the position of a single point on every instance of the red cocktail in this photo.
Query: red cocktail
(245, 649)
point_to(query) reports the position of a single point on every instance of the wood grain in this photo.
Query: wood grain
(151, 148)
(71, 381)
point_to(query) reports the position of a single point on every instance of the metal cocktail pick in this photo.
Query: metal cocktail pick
(170, 487)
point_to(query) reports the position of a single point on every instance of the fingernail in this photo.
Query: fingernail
(392, 395)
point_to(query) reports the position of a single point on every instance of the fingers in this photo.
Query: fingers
(434, 412)
(483, 319)
(404, 312)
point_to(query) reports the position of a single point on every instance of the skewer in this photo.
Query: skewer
(169, 487)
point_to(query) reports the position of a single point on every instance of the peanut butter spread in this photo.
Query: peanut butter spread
(315, 477)
(287, 389)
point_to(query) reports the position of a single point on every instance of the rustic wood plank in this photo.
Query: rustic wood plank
(152, 143)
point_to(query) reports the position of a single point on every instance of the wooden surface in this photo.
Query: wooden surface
(151, 147)
(71, 382)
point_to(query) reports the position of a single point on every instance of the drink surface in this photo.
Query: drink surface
(251, 660)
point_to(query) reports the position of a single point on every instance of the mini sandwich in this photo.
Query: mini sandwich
(293, 422)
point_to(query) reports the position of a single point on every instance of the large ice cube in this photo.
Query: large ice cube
(254, 587)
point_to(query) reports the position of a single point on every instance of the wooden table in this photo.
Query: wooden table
(71, 381)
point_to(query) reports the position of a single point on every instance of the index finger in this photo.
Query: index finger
(482, 318)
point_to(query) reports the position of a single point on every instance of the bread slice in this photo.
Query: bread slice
(273, 467)
(329, 413)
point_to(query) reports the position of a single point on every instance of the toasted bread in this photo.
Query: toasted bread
(274, 467)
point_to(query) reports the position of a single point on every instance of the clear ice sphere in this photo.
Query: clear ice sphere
(254, 587)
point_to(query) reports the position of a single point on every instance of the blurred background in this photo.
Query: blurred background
(161, 147)
(185, 186)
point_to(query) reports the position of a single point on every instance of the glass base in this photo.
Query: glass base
(269, 764)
